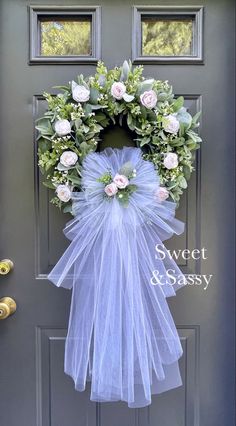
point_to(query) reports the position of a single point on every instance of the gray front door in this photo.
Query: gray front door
(34, 391)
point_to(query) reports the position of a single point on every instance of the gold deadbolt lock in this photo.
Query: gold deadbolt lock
(7, 307)
(6, 265)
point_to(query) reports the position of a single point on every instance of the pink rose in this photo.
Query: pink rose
(80, 93)
(162, 193)
(121, 181)
(118, 89)
(63, 193)
(68, 158)
(171, 160)
(62, 127)
(149, 99)
(111, 189)
(171, 124)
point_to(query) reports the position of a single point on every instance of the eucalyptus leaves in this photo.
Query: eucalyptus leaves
(72, 127)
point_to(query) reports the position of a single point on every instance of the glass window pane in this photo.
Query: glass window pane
(66, 37)
(167, 36)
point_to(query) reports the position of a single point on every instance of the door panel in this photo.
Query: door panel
(34, 389)
(57, 400)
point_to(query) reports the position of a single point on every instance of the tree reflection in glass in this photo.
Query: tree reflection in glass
(66, 37)
(167, 37)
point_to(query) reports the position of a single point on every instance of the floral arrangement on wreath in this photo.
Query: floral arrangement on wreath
(73, 124)
(120, 186)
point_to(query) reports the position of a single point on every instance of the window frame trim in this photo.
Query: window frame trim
(197, 12)
(35, 12)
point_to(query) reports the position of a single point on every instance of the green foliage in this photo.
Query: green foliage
(106, 178)
(88, 119)
(123, 195)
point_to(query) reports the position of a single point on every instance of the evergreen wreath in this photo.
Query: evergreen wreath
(73, 123)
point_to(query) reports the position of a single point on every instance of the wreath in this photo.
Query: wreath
(73, 123)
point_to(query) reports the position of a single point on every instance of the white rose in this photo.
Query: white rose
(162, 193)
(171, 124)
(62, 127)
(80, 93)
(68, 158)
(63, 193)
(171, 160)
(118, 89)
(149, 99)
(121, 181)
(111, 189)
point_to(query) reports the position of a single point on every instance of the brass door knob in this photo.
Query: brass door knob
(6, 265)
(7, 307)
